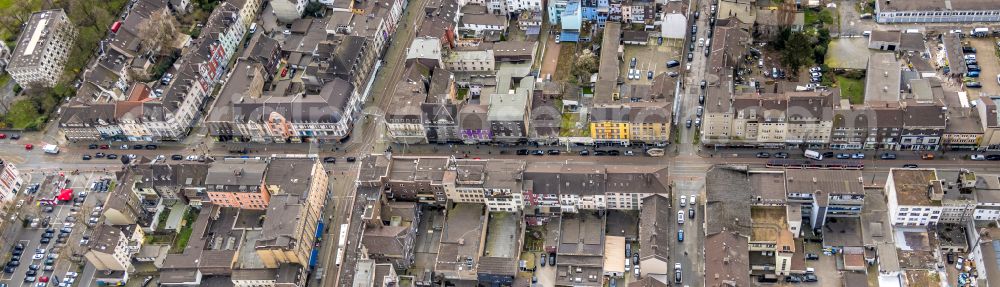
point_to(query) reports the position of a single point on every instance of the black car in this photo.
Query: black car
(151, 146)
(584, 152)
(812, 256)
(92, 146)
(33, 267)
(888, 156)
(600, 153)
(45, 240)
(330, 159)
(673, 63)
(993, 157)
(31, 273)
(810, 278)
(86, 157)
(138, 146)
(554, 152)
(15, 136)
(522, 152)
(691, 213)
(537, 152)
(14, 263)
(828, 154)
(614, 153)
(17, 252)
(552, 259)
(15, 258)
(793, 279)
(177, 157)
(111, 156)
(351, 159)
(910, 165)
(781, 155)
(9, 269)
(763, 155)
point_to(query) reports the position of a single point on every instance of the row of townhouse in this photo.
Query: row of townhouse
(109, 106)
(337, 58)
(926, 196)
(288, 193)
(512, 186)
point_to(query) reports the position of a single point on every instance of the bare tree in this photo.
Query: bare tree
(159, 30)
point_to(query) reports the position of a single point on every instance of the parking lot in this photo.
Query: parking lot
(61, 246)
(651, 57)
(988, 62)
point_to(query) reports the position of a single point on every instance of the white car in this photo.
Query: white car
(977, 157)
(683, 200)
(998, 78)
(72, 274)
(37, 256)
(694, 199)
(680, 217)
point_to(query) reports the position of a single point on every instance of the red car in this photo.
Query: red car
(284, 72)
(104, 146)
(3, 136)
(29, 146)
(43, 279)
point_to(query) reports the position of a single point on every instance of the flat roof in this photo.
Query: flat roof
(882, 82)
(911, 186)
(607, 72)
(35, 36)
(937, 5)
(614, 254)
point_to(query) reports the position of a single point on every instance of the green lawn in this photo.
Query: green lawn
(181, 241)
(567, 55)
(851, 89)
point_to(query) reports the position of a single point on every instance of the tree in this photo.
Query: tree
(314, 9)
(158, 31)
(585, 65)
(798, 52)
(23, 115)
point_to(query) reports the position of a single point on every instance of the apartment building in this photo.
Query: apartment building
(889, 11)
(470, 60)
(826, 194)
(111, 247)
(405, 123)
(390, 231)
(509, 114)
(989, 121)
(42, 48)
(288, 10)
(643, 122)
(10, 182)
(238, 183)
(520, 6)
(787, 119)
(987, 193)
(298, 189)
(914, 197)
(510, 186)
(492, 183)
(169, 112)
(143, 191)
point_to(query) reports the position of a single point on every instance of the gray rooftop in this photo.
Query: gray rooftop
(37, 34)
(882, 82)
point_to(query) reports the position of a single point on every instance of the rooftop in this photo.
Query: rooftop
(727, 260)
(35, 37)
(727, 200)
(460, 239)
(937, 5)
(882, 83)
(582, 234)
(912, 186)
(655, 223)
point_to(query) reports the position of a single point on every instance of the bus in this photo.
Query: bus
(342, 241)
(809, 164)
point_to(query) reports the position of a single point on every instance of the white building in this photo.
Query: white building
(914, 196)
(111, 247)
(10, 181)
(523, 5)
(288, 10)
(42, 49)
(467, 61)
(896, 11)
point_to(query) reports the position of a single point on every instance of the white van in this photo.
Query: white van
(253, 28)
(811, 154)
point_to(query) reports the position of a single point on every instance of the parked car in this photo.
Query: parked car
(858, 156)
(910, 165)
(812, 256)
(554, 152)
(888, 156)
(977, 157)
(993, 157)
(763, 155)
(810, 278)
(781, 155)
(843, 156)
